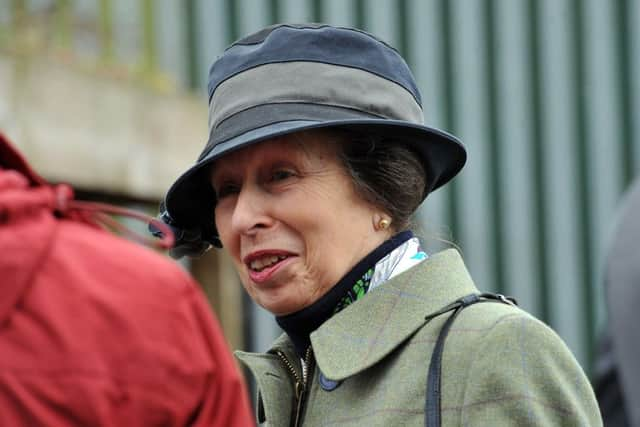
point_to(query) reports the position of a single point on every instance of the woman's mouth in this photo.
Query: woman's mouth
(260, 264)
(263, 266)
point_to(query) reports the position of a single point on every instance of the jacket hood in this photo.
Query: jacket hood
(30, 213)
(23, 194)
(11, 158)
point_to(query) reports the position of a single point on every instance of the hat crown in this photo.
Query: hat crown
(320, 43)
(292, 78)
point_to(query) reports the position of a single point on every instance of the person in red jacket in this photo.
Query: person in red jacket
(96, 330)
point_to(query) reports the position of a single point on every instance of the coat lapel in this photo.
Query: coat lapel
(362, 334)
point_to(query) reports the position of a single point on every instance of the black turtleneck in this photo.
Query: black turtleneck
(300, 324)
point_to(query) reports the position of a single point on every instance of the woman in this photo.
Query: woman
(317, 157)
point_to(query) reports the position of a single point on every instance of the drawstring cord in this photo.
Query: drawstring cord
(99, 214)
(60, 199)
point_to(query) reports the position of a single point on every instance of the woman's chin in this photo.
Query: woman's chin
(279, 300)
(280, 308)
(277, 297)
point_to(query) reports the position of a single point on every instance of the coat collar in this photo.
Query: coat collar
(362, 334)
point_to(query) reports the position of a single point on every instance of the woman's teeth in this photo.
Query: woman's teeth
(262, 263)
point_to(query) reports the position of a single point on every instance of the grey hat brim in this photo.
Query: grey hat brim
(190, 200)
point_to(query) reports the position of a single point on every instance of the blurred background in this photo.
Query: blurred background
(110, 96)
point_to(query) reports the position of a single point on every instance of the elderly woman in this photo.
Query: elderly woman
(316, 159)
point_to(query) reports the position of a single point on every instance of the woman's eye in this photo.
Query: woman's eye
(226, 190)
(282, 174)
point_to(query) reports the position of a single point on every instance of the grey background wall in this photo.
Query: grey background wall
(542, 92)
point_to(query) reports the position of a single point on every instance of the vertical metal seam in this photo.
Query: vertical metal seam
(149, 39)
(494, 157)
(585, 246)
(233, 27)
(318, 11)
(537, 153)
(449, 110)
(193, 46)
(63, 24)
(403, 28)
(106, 30)
(360, 14)
(274, 11)
(623, 25)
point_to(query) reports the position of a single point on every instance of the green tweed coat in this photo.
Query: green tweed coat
(501, 366)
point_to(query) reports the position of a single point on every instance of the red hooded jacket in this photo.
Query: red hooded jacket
(99, 331)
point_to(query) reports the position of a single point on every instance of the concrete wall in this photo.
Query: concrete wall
(99, 133)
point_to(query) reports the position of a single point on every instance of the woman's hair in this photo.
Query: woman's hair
(386, 173)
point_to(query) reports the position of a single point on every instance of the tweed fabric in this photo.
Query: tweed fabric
(501, 366)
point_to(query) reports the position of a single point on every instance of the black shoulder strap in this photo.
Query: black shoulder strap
(432, 408)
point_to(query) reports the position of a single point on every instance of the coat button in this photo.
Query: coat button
(327, 384)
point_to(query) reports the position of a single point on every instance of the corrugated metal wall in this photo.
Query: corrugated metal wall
(542, 92)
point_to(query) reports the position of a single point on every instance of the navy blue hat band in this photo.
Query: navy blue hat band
(267, 114)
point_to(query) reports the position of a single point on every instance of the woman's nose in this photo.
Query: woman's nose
(250, 212)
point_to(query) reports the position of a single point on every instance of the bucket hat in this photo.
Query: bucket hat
(289, 78)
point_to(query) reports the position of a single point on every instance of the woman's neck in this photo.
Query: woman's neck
(354, 284)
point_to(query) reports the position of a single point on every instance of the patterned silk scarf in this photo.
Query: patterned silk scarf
(395, 262)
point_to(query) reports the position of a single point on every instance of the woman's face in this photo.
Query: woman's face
(289, 216)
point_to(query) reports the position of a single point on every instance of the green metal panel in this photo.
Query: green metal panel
(255, 16)
(494, 149)
(558, 164)
(296, 11)
(622, 19)
(426, 51)
(62, 20)
(634, 90)
(450, 119)
(193, 37)
(536, 152)
(215, 27)
(339, 12)
(546, 109)
(172, 45)
(469, 75)
(584, 214)
(275, 14)
(148, 37)
(105, 16)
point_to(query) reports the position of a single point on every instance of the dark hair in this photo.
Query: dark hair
(386, 172)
